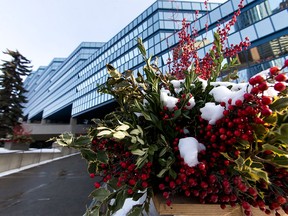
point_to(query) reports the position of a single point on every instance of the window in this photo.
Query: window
(280, 16)
(249, 32)
(215, 15)
(264, 27)
(226, 8)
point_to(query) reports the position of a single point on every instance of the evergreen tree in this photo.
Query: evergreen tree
(12, 91)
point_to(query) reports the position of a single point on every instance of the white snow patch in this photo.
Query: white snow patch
(223, 94)
(177, 83)
(128, 204)
(204, 83)
(192, 103)
(168, 101)
(212, 112)
(189, 148)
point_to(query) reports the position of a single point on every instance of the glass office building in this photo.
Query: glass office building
(68, 87)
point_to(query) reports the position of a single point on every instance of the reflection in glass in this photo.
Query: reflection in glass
(264, 27)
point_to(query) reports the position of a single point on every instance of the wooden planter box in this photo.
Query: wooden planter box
(16, 146)
(181, 206)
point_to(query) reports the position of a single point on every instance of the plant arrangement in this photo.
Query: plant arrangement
(19, 135)
(186, 132)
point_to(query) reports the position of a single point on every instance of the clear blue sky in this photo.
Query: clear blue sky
(44, 29)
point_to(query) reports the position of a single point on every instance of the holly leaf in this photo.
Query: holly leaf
(284, 129)
(102, 156)
(119, 135)
(122, 127)
(82, 140)
(138, 152)
(279, 104)
(276, 150)
(162, 172)
(88, 154)
(92, 167)
(135, 211)
(104, 133)
(281, 161)
(258, 174)
(100, 194)
(137, 196)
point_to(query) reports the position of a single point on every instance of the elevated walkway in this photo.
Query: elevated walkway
(45, 131)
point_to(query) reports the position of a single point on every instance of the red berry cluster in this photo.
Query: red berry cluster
(185, 53)
(121, 165)
(213, 180)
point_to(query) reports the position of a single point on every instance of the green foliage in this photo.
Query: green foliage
(146, 130)
(12, 91)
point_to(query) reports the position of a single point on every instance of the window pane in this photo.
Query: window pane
(249, 32)
(264, 27)
(280, 16)
(226, 9)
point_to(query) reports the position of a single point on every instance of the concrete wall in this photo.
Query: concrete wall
(18, 159)
(38, 129)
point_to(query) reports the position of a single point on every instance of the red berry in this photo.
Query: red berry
(212, 178)
(266, 112)
(255, 90)
(97, 185)
(161, 186)
(286, 63)
(274, 70)
(223, 206)
(252, 191)
(246, 205)
(266, 100)
(279, 86)
(172, 184)
(259, 79)
(263, 86)
(203, 184)
(144, 184)
(144, 177)
(132, 182)
(252, 81)
(226, 112)
(248, 96)
(201, 166)
(238, 103)
(281, 77)
(281, 200)
(123, 165)
(92, 175)
(187, 193)
(166, 195)
(130, 191)
(168, 202)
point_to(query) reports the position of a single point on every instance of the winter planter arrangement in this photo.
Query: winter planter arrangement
(19, 140)
(185, 134)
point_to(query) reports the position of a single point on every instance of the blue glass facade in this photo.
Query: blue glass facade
(71, 84)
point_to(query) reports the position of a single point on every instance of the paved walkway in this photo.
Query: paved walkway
(58, 188)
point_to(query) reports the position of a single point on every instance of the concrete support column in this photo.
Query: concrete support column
(43, 121)
(73, 124)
